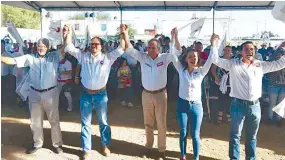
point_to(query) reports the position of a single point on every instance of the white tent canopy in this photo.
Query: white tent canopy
(142, 5)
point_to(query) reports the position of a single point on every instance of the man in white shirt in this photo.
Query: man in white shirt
(154, 95)
(246, 88)
(95, 69)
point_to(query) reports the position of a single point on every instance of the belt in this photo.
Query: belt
(94, 91)
(154, 92)
(246, 102)
(43, 90)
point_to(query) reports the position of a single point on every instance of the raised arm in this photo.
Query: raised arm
(129, 49)
(68, 46)
(274, 65)
(206, 67)
(8, 60)
(77, 72)
(173, 54)
(120, 50)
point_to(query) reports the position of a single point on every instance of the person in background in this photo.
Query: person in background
(222, 81)
(263, 51)
(124, 76)
(64, 80)
(257, 55)
(276, 90)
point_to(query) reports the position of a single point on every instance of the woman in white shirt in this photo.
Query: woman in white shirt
(189, 107)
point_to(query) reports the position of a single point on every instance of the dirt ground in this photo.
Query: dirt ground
(127, 136)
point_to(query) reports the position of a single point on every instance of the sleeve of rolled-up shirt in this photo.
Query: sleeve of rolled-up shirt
(210, 59)
(172, 56)
(273, 66)
(137, 55)
(115, 54)
(75, 52)
(23, 61)
(221, 62)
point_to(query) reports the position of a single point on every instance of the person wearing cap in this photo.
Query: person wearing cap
(154, 96)
(246, 89)
(95, 69)
(43, 95)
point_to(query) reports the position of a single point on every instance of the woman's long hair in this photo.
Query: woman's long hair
(184, 56)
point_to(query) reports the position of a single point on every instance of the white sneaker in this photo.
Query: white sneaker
(130, 104)
(123, 103)
(69, 109)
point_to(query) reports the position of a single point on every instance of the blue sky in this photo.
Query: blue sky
(245, 23)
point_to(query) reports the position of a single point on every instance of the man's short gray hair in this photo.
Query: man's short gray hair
(44, 41)
(156, 40)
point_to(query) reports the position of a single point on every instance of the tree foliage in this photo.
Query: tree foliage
(102, 16)
(22, 18)
(77, 17)
(132, 31)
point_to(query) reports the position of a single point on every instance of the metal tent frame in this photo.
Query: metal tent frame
(142, 6)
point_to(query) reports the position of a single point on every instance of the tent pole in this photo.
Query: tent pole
(213, 20)
(121, 11)
(41, 12)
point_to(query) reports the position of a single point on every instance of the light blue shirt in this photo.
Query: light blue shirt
(130, 59)
(43, 71)
(95, 70)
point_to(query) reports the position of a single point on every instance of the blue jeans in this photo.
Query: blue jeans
(189, 113)
(99, 102)
(250, 116)
(276, 95)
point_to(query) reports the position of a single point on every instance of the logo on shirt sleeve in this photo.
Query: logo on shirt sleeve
(102, 62)
(159, 64)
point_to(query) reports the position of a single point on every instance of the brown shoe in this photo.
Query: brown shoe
(146, 153)
(106, 151)
(161, 156)
(86, 156)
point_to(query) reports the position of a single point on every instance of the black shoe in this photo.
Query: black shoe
(58, 150)
(146, 153)
(32, 150)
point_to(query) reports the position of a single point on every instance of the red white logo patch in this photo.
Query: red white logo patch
(159, 64)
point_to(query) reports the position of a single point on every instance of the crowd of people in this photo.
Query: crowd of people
(230, 89)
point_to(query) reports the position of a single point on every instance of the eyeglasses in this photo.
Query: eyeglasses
(95, 44)
(151, 48)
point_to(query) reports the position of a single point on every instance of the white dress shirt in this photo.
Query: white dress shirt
(154, 71)
(190, 84)
(95, 70)
(246, 80)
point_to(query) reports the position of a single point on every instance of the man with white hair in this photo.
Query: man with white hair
(43, 95)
